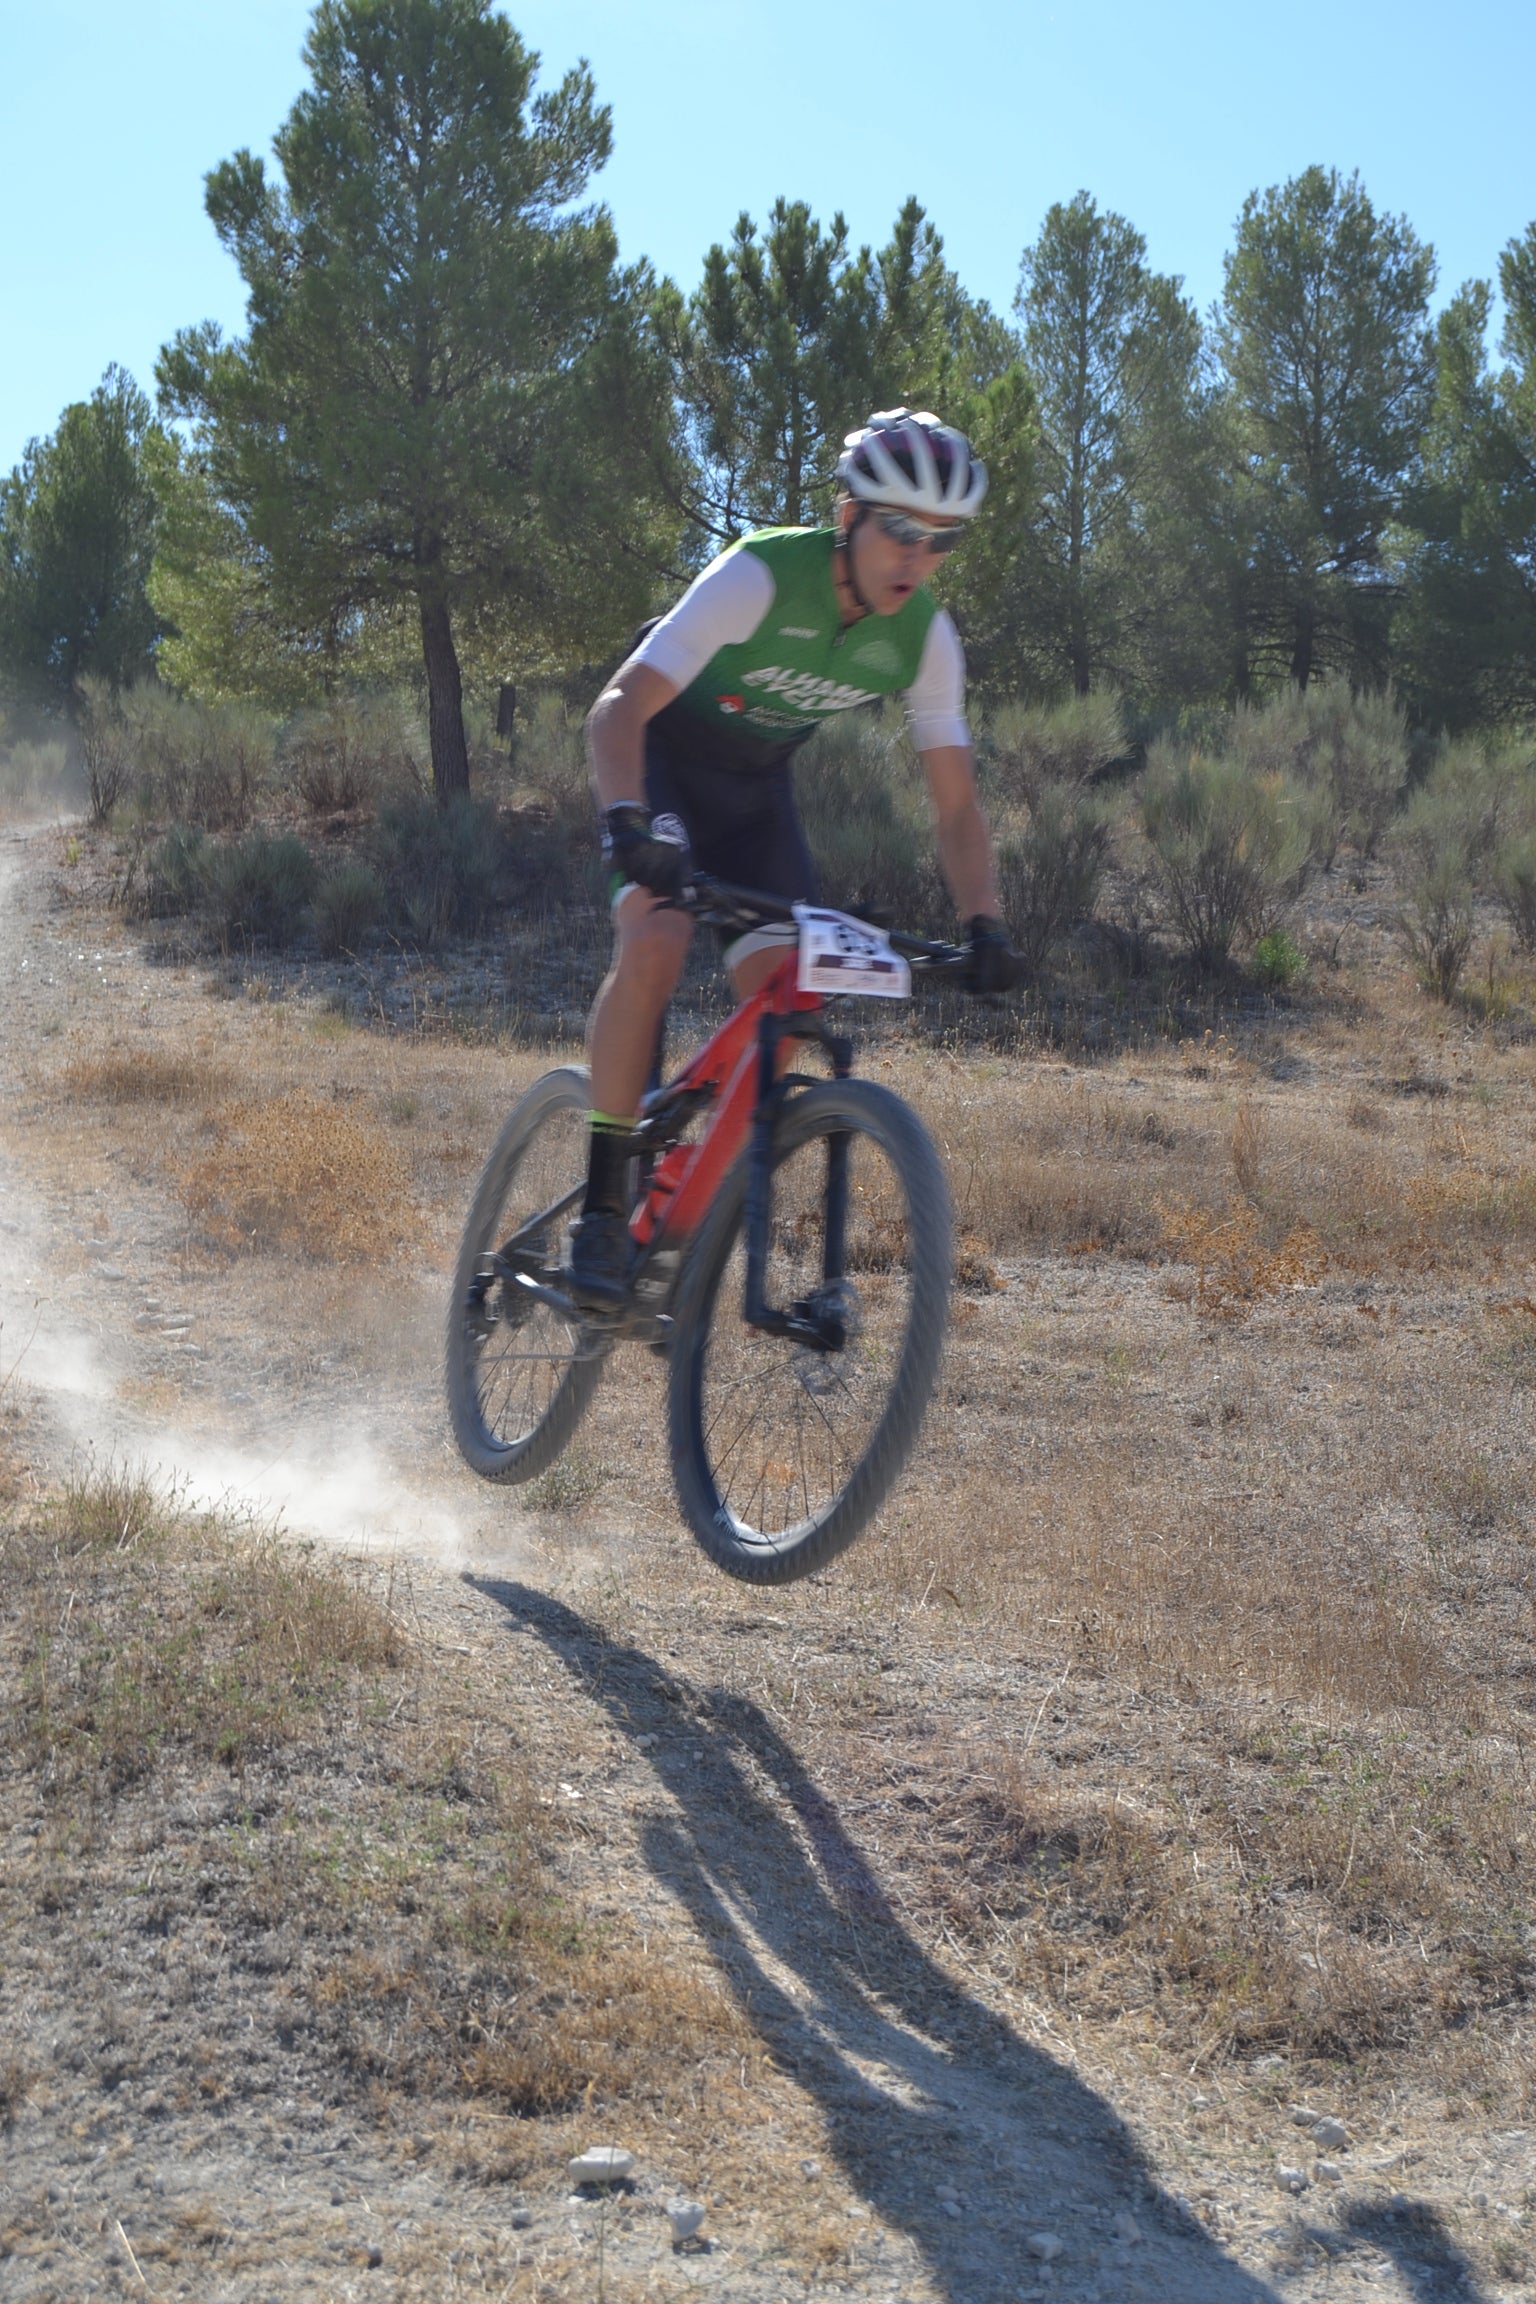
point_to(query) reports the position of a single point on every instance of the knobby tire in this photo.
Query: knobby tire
(760, 1479)
(520, 1375)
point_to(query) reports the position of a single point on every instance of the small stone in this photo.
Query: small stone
(951, 2207)
(1331, 2134)
(110, 1272)
(520, 2219)
(1046, 2246)
(685, 2217)
(1328, 2172)
(810, 2167)
(1304, 2115)
(1292, 2179)
(1125, 2228)
(601, 2164)
(375, 2258)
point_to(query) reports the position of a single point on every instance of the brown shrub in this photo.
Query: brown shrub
(1233, 1267)
(304, 1174)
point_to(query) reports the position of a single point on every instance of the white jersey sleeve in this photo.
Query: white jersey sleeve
(936, 699)
(723, 606)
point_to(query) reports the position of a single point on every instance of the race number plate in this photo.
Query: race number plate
(838, 954)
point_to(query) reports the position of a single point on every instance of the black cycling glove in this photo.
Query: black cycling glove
(993, 966)
(652, 854)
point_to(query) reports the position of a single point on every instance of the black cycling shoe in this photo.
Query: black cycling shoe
(600, 1258)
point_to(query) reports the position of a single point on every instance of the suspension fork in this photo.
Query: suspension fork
(799, 1324)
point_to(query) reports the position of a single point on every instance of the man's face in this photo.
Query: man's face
(887, 568)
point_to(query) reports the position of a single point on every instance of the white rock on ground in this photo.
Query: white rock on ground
(1046, 2245)
(1292, 2179)
(601, 2164)
(685, 2217)
(1125, 2229)
(1331, 2134)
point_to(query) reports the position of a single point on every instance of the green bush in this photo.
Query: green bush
(1349, 752)
(106, 748)
(1227, 850)
(1435, 853)
(443, 869)
(1277, 960)
(175, 875)
(349, 900)
(1024, 750)
(203, 764)
(354, 749)
(862, 802)
(1050, 872)
(1514, 879)
(258, 886)
(551, 765)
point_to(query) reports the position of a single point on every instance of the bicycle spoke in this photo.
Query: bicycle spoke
(783, 1426)
(520, 1371)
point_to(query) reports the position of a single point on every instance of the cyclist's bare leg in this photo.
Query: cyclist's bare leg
(648, 959)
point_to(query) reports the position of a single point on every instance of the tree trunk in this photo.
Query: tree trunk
(1303, 653)
(445, 702)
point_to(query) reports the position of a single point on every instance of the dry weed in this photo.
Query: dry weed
(1247, 1146)
(402, 1871)
(176, 1634)
(1233, 1268)
(302, 1174)
(1333, 1903)
(148, 1076)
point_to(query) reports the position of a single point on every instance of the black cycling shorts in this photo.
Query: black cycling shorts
(741, 822)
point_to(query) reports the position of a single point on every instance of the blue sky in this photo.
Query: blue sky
(112, 110)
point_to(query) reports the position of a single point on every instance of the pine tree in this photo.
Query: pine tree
(77, 531)
(444, 403)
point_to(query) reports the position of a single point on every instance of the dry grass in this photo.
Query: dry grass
(176, 1635)
(387, 1853)
(1327, 1895)
(148, 1076)
(1239, 1446)
(305, 1175)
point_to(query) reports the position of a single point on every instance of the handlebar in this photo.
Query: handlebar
(719, 904)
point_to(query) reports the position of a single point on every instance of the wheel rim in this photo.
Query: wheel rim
(519, 1350)
(785, 1428)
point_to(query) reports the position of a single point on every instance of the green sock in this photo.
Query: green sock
(608, 1158)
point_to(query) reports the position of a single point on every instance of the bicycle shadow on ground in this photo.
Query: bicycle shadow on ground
(920, 2083)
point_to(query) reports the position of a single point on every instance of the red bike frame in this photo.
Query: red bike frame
(686, 1179)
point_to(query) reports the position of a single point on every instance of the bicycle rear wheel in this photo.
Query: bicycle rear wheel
(783, 1452)
(520, 1371)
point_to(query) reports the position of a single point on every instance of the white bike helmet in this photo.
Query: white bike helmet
(911, 462)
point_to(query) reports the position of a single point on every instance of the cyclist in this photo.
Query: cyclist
(692, 740)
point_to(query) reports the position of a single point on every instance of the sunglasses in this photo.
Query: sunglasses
(902, 529)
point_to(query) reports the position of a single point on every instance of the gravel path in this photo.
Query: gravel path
(970, 2153)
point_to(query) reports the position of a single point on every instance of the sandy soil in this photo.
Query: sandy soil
(745, 1784)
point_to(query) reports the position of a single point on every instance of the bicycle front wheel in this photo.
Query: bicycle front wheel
(783, 1451)
(520, 1371)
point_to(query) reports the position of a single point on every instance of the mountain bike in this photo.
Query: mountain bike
(792, 1259)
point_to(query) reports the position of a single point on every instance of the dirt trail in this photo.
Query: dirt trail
(959, 2120)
